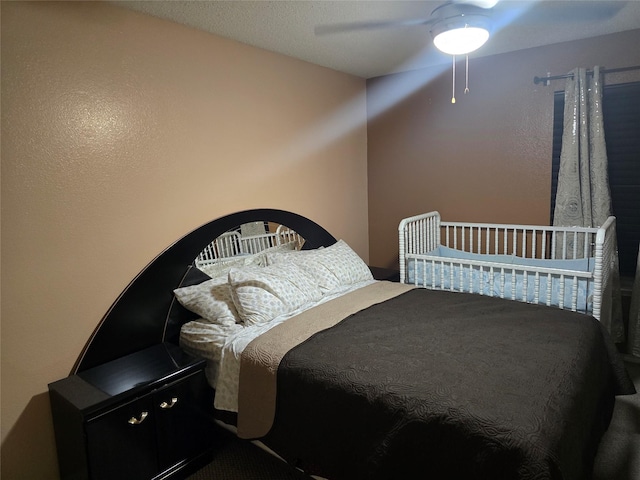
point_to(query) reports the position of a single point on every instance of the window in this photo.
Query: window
(621, 111)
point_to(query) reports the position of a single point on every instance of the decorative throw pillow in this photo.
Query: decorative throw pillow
(212, 300)
(332, 267)
(262, 293)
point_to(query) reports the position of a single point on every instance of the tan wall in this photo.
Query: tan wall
(487, 158)
(121, 133)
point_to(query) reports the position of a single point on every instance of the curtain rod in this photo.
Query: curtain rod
(546, 79)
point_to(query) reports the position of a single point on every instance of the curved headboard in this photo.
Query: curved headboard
(145, 313)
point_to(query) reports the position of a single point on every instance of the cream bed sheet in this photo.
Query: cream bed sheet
(222, 346)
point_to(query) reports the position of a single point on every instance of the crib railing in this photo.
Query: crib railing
(421, 234)
(605, 268)
(225, 246)
(231, 244)
(526, 283)
(285, 235)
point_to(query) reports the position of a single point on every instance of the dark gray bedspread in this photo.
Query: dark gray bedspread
(436, 385)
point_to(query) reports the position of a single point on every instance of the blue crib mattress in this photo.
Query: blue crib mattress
(450, 269)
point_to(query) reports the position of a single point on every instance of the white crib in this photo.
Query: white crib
(566, 267)
(230, 245)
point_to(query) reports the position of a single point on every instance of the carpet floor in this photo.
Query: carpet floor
(618, 456)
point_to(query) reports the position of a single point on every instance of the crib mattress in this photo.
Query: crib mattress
(548, 282)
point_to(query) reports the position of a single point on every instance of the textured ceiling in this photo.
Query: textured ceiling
(288, 27)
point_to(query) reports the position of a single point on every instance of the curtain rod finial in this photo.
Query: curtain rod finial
(545, 80)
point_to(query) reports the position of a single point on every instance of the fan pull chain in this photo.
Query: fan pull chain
(453, 92)
(466, 77)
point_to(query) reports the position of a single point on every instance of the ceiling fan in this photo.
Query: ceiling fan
(459, 27)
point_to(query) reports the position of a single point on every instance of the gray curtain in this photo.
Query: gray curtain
(633, 341)
(583, 196)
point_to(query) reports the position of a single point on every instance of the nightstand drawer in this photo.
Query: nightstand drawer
(122, 442)
(181, 419)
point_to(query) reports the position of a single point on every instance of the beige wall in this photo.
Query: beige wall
(487, 158)
(121, 133)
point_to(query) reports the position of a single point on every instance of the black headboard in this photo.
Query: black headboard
(144, 315)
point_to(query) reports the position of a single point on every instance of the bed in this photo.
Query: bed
(565, 267)
(346, 377)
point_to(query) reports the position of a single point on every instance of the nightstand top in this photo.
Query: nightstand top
(390, 274)
(98, 387)
(139, 369)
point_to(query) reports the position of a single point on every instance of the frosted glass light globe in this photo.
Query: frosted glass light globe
(460, 41)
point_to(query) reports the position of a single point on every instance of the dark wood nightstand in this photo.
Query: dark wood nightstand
(142, 416)
(389, 274)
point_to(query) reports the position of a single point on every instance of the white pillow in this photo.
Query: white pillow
(212, 300)
(262, 293)
(332, 267)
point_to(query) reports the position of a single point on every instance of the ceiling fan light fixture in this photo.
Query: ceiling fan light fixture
(461, 40)
(460, 28)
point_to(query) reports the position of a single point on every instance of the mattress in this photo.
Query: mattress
(420, 383)
(434, 384)
(507, 276)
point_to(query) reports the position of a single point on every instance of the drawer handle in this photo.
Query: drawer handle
(166, 405)
(135, 421)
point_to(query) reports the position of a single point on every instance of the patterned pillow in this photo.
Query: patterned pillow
(332, 267)
(212, 300)
(262, 293)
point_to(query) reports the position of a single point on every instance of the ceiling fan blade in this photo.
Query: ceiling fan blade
(562, 11)
(477, 3)
(361, 26)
